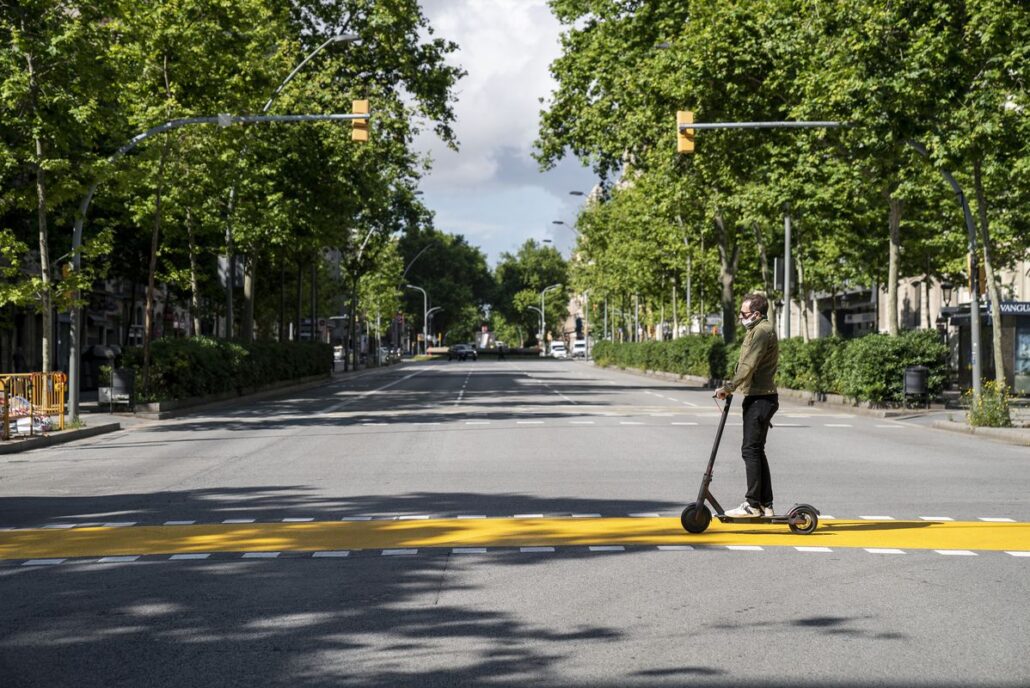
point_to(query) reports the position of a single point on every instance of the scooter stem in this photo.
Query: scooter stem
(703, 492)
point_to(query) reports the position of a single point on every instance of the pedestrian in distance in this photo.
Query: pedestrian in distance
(755, 379)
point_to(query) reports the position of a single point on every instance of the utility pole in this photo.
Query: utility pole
(786, 272)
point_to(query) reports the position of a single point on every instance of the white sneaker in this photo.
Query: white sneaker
(745, 510)
(767, 511)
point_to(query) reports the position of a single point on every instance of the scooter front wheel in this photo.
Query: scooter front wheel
(695, 519)
(802, 519)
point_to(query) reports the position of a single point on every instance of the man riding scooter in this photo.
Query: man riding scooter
(755, 379)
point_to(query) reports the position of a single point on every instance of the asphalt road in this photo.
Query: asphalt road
(509, 523)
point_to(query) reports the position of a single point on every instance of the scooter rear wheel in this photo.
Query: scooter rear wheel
(694, 519)
(802, 519)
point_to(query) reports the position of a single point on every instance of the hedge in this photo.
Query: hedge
(693, 355)
(181, 368)
(870, 368)
(806, 365)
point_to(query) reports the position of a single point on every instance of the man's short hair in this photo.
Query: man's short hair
(758, 303)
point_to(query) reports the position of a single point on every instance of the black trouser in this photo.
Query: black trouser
(758, 412)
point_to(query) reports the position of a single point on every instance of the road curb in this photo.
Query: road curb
(63, 437)
(1015, 436)
(260, 395)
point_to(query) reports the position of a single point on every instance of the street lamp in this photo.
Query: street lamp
(74, 334)
(543, 352)
(542, 308)
(946, 288)
(229, 247)
(586, 322)
(430, 313)
(425, 314)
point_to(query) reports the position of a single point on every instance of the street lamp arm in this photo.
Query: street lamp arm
(417, 256)
(341, 38)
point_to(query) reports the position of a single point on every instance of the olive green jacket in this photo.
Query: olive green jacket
(759, 357)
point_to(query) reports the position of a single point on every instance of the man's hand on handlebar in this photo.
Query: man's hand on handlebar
(721, 393)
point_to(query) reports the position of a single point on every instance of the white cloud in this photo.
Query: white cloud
(491, 190)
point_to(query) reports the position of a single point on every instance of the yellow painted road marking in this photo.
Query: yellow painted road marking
(496, 532)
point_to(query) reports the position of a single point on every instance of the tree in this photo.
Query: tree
(454, 275)
(55, 111)
(520, 277)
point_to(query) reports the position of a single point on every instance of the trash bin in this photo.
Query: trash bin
(123, 385)
(917, 383)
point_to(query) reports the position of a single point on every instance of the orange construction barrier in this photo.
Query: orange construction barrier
(30, 401)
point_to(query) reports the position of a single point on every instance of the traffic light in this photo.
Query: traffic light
(359, 127)
(684, 137)
(981, 274)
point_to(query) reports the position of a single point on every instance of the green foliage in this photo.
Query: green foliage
(806, 365)
(694, 355)
(872, 368)
(199, 366)
(520, 277)
(455, 276)
(945, 73)
(991, 410)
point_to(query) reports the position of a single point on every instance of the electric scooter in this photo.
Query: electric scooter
(802, 518)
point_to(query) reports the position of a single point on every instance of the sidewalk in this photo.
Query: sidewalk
(930, 419)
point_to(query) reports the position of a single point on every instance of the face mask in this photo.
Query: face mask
(747, 322)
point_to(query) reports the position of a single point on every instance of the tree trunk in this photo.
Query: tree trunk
(46, 300)
(763, 260)
(282, 299)
(131, 316)
(834, 329)
(728, 258)
(46, 297)
(313, 304)
(353, 329)
(247, 325)
(803, 294)
(675, 314)
(892, 268)
(300, 298)
(992, 283)
(194, 279)
(148, 321)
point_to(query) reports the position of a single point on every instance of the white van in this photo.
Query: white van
(579, 348)
(558, 350)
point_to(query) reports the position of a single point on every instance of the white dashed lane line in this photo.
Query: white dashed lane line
(409, 552)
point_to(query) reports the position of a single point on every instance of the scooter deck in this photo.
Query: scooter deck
(781, 518)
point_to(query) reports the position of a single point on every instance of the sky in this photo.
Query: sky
(492, 191)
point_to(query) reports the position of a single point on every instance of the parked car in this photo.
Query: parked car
(579, 348)
(558, 350)
(462, 352)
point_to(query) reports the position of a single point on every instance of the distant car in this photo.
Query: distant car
(579, 348)
(462, 352)
(558, 350)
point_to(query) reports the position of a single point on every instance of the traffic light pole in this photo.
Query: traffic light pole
(685, 127)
